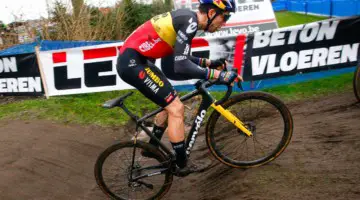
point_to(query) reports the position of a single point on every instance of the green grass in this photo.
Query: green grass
(314, 88)
(290, 19)
(86, 108)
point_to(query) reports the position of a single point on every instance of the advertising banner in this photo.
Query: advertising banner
(250, 16)
(92, 68)
(322, 45)
(19, 75)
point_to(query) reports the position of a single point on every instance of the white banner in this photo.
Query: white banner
(89, 69)
(250, 16)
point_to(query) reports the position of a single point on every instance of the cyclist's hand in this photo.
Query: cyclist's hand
(218, 64)
(228, 77)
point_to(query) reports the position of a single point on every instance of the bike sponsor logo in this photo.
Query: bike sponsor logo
(141, 75)
(154, 77)
(178, 58)
(148, 45)
(192, 26)
(198, 122)
(132, 63)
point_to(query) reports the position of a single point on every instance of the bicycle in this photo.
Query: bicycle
(132, 174)
(356, 83)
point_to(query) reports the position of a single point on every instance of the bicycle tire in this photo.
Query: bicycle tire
(215, 148)
(160, 157)
(356, 83)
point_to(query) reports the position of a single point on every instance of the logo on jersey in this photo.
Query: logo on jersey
(182, 35)
(187, 49)
(154, 77)
(178, 58)
(148, 45)
(169, 97)
(132, 63)
(192, 26)
(141, 75)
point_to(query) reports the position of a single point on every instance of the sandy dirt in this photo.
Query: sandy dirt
(47, 160)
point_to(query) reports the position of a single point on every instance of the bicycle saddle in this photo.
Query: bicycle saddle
(116, 102)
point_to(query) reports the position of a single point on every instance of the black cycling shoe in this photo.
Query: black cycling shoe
(192, 167)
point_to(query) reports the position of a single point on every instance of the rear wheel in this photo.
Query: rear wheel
(265, 116)
(116, 167)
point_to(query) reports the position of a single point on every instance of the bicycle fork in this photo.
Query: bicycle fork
(232, 118)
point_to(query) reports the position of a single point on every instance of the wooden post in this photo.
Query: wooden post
(37, 51)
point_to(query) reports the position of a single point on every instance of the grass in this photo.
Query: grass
(314, 88)
(290, 19)
(86, 108)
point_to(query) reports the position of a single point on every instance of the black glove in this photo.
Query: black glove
(227, 77)
(217, 63)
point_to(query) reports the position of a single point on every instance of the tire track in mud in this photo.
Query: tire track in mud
(43, 160)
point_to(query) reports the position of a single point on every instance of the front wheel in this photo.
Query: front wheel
(356, 83)
(265, 116)
(118, 166)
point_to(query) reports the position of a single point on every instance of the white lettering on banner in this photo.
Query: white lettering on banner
(198, 121)
(23, 84)
(234, 31)
(8, 65)
(308, 33)
(304, 59)
(287, 63)
(293, 33)
(334, 55)
(248, 8)
(148, 45)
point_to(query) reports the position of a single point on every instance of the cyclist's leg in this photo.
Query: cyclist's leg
(150, 81)
(176, 130)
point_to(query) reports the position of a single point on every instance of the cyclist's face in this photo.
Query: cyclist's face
(219, 21)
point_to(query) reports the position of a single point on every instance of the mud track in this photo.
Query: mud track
(45, 160)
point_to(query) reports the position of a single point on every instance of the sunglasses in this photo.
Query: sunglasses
(226, 17)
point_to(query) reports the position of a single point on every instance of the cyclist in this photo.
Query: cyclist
(169, 36)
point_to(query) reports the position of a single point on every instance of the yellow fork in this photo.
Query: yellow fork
(232, 118)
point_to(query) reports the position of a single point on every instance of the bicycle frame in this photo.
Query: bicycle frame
(207, 101)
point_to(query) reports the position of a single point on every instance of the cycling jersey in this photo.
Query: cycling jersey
(167, 34)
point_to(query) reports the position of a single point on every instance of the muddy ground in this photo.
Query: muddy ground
(46, 160)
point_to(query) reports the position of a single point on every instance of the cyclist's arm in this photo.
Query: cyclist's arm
(183, 62)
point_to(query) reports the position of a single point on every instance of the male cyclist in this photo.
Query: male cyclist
(169, 36)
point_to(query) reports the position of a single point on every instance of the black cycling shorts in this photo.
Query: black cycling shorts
(136, 70)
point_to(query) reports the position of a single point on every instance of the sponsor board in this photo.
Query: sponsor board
(323, 45)
(93, 69)
(19, 75)
(250, 16)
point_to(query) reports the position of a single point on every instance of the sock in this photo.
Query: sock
(158, 132)
(181, 157)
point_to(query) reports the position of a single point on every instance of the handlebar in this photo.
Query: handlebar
(207, 83)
